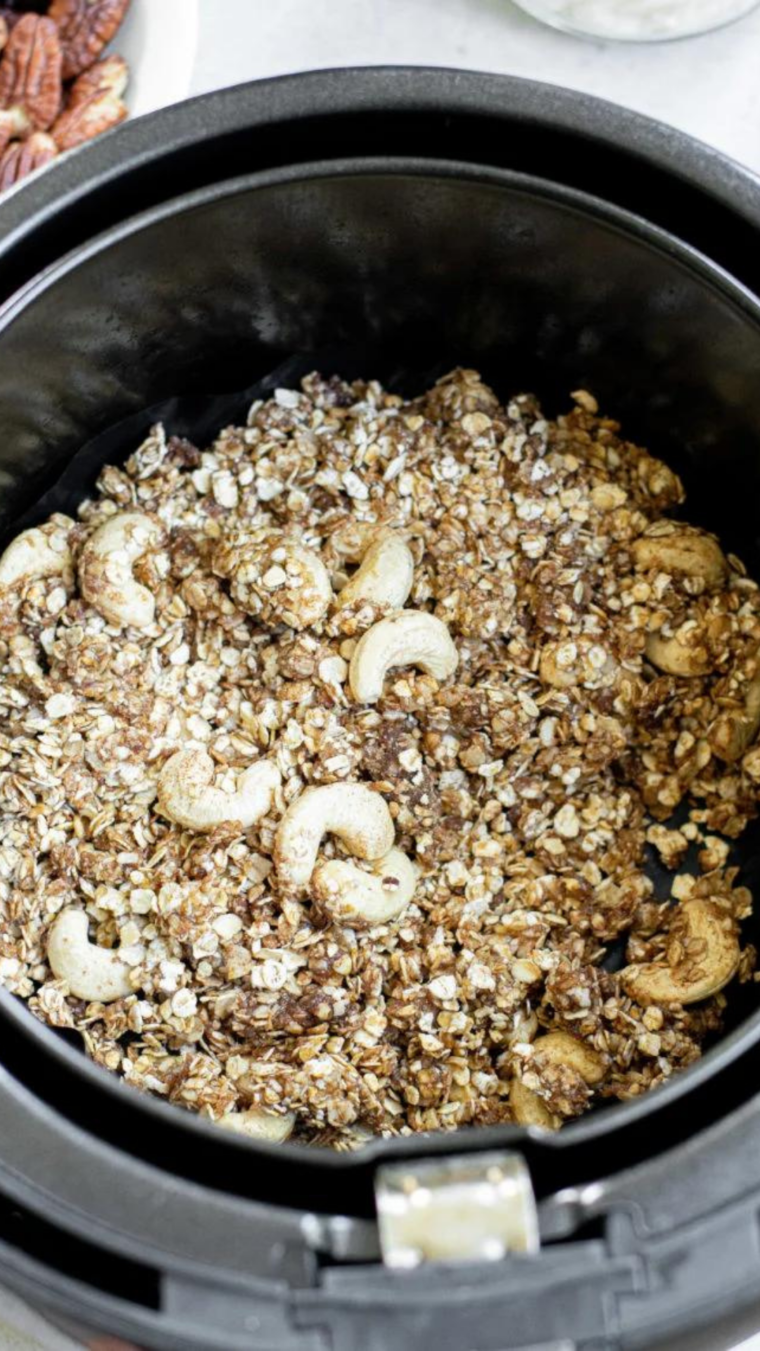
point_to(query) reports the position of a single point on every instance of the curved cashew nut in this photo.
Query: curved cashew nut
(734, 730)
(705, 956)
(105, 569)
(410, 638)
(751, 763)
(385, 576)
(92, 973)
(40, 552)
(675, 656)
(680, 551)
(353, 812)
(577, 661)
(530, 1110)
(558, 1048)
(260, 1125)
(357, 897)
(186, 794)
(284, 583)
(690, 651)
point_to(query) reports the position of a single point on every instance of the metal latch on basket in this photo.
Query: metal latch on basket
(469, 1208)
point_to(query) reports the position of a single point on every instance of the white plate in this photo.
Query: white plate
(159, 39)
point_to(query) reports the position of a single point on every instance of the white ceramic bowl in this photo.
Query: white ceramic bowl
(159, 39)
(637, 20)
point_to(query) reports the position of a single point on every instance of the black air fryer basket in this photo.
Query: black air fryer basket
(392, 223)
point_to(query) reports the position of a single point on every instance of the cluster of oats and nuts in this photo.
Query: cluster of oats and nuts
(55, 90)
(331, 756)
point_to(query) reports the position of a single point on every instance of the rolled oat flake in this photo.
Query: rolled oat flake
(638, 20)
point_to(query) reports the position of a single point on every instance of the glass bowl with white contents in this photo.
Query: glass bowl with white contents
(637, 20)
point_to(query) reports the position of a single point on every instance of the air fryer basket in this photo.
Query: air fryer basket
(391, 223)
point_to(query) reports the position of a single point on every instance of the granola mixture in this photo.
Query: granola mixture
(527, 787)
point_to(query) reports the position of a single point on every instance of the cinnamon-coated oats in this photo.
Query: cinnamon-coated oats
(524, 787)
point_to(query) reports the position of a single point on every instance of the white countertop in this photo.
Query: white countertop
(709, 86)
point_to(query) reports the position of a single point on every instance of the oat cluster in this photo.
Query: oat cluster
(603, 680)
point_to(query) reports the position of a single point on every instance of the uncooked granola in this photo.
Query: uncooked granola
(528, 787)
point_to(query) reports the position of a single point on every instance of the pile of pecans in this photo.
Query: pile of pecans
(55, 91)
(333, 757)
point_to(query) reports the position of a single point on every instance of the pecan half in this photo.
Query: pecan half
(22, 157)
(30, 71)
(95, 114)
(86, 27)
(110, 74)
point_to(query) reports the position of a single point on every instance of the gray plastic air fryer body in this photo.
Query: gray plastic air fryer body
(388, 221)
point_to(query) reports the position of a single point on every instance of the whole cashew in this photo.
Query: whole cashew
(92, 973)
(105, 569)
(260, 1125)
(751, 763)
(530, 1110)
(186, 794)
(282, 582)
(702, 958)
(357, 897)
(558, 1048)
(577, 661)
(682, 551)
(690, 651)
(385, 576)
(353, 812)
(40, 552)
(410, 638)
(734, 730)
